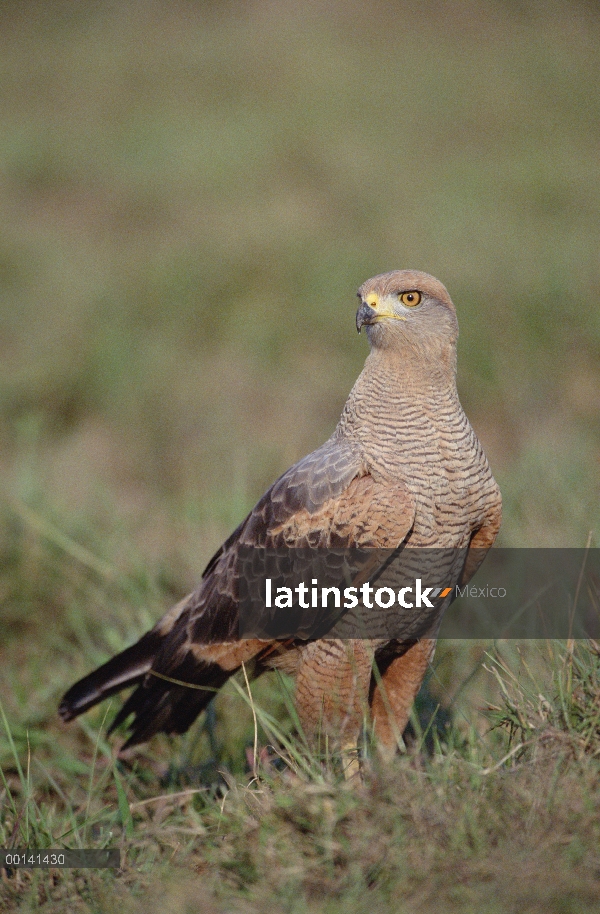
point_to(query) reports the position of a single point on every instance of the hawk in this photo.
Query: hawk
(403, 468)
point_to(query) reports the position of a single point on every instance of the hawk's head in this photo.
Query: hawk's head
(408, 308)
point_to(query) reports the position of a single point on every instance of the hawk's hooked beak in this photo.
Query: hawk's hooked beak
(365, 315)
(372, 311)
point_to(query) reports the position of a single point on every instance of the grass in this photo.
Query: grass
(501, 821)
(191, 197)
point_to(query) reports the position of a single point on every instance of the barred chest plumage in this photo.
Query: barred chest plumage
(414, 430)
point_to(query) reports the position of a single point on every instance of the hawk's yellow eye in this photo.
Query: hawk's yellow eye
(410, 299)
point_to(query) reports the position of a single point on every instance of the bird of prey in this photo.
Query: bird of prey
(403, 468)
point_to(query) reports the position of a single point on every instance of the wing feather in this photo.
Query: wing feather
(329, 499)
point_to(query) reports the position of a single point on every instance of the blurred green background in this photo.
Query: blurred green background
(191, 193)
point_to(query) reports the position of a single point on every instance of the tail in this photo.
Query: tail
(123, 670)
(160, 703)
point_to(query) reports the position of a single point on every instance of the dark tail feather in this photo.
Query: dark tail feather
(160, 706)
(125, 669)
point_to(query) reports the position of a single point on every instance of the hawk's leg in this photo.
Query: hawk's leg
(332, 687)
(393, 693)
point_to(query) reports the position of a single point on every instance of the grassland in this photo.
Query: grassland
(191, 193)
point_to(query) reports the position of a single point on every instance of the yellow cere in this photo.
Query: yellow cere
(383, 310)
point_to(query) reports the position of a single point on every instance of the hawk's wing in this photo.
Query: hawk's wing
(328, 500)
